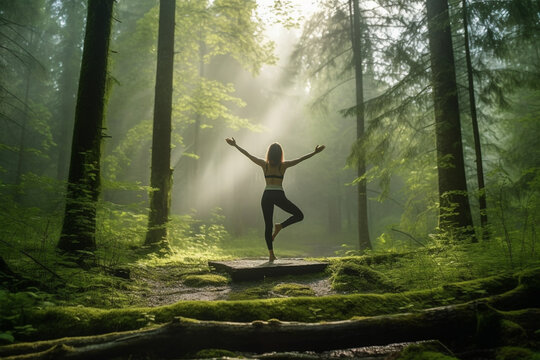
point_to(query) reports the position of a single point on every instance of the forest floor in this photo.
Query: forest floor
(163, 285)
(152, 292)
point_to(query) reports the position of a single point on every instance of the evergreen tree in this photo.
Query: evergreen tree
(474, 121)
(363, 231)
(335, 51)
(78, 230)
(161, 176)
(24, 121)
(454, 207)
(21, 67)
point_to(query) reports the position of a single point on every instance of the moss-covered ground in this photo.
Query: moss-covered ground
(57, 321)
(149, 290)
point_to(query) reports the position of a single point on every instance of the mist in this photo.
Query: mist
(287, 75)
(277, 104)
(135, 212)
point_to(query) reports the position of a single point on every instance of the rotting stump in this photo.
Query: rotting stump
(257, 269)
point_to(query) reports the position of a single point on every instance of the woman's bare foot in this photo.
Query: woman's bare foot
(271, 256)
(277, 229)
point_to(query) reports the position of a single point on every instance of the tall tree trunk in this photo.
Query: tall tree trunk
(22, 138)
(67, 82)
(454, 202)
(363, 230)
(161, 173)
(334, 209)
(78, 230)
(474, 119)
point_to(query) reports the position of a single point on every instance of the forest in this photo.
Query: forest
(137, 138)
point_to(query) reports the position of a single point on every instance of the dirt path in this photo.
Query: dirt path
(165, 285)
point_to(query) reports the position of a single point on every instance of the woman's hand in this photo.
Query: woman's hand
(319, 148)
(231, 141)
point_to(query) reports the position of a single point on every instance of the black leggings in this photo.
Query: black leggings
(277, 197)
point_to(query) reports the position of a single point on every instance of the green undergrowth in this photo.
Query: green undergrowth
(205, 280)
(350, 275)
(425, 351)
(58, 321)
(430, 267)
(516, 353)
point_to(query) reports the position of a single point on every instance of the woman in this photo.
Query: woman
(274, 168)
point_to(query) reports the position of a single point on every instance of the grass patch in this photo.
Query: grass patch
(205, 280)
(252, 293)
(291, 289)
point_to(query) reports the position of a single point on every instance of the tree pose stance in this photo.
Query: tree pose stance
(274, 168)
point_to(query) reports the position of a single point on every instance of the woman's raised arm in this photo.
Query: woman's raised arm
(255, 159)
(289, 163)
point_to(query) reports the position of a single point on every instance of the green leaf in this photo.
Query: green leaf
(6, 337)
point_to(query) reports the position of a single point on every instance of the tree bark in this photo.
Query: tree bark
(476, 133)
(454, 210)
(363, 230)
(78, 230)
(161, 172)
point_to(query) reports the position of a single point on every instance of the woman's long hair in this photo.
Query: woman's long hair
(274, 154)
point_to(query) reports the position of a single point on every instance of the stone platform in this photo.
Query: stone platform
(258, 269)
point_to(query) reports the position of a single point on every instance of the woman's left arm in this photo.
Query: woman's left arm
(289, 163)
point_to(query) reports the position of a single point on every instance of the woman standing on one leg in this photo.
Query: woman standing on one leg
(274, 168)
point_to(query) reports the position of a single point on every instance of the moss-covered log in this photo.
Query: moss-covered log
(525, 295)
(55, 322)
(456, 326)
(180, 337)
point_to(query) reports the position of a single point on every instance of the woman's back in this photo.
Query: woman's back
(273, 174)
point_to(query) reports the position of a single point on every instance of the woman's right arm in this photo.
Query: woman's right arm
(256, 160)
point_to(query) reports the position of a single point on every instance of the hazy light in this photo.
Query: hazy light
(301, 9)
(226, 173)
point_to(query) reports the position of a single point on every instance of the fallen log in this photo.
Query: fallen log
(454, 325)
(457, 326)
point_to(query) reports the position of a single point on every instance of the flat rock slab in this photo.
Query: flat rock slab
(241, 270)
